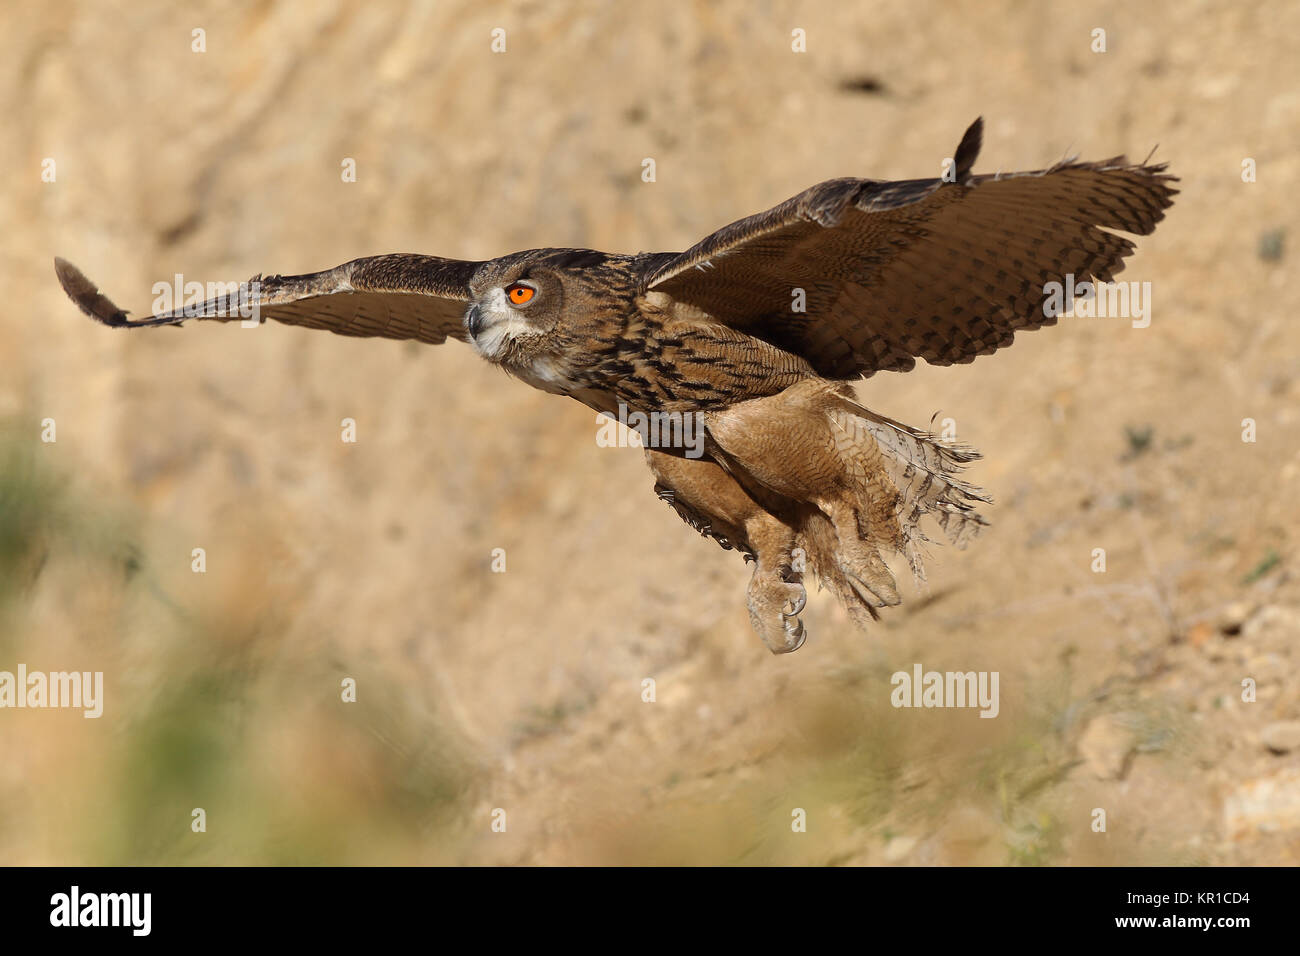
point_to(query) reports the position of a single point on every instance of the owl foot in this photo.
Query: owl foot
(869, 576)
(774, 608)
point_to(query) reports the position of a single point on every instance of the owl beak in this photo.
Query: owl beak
(474, 321)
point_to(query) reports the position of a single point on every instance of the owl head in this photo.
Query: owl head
(518, 302)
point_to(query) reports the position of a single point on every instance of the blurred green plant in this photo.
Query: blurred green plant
(1270, 561)
(209, 709)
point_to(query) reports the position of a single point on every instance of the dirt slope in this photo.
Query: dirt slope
(524, 690)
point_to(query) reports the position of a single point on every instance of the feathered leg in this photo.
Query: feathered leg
(712, 502)
(871, 477)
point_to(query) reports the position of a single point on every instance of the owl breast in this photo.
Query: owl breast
(550, 373)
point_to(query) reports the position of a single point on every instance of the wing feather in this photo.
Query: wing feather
(926, 268)
(392, 296)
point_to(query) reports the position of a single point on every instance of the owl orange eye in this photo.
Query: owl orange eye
(520, 294)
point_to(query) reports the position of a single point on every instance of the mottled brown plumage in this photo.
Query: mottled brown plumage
(755, 332)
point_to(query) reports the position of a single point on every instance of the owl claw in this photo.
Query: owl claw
(797, 603)
(868, 576)
(872, 596)
(795, 630)
(774, 607)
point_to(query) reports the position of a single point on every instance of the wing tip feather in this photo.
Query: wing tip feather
(86, 295)
(968, 149)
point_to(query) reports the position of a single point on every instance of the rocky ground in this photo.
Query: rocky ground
(1161, 691)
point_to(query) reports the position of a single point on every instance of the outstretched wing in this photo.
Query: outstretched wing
(394, 297)
(928, 268)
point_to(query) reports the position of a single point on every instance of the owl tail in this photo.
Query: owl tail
(899, 475)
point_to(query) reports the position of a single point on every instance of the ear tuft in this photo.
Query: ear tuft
(968, 149)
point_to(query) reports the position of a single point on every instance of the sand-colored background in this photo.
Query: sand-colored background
(523, 690)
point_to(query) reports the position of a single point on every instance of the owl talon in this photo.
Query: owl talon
(797, 603)
(868, 576)
(774, 606)
(797, 634)
(871, 596)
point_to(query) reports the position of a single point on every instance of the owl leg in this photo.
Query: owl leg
(789, 443)
(776, 593)
(857, 553)
(711, 501)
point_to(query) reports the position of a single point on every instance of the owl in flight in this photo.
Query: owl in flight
(753, 335)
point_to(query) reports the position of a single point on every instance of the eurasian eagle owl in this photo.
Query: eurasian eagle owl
(755, 333)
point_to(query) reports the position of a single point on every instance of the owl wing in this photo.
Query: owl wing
(890, 272)
(394, 297)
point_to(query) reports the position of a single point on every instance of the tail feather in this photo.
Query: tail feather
(923, 470)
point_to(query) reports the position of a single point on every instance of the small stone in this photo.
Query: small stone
(1281, 736)
(1264, 804)
(1273, 627)
(1106, 746)
(898, 848)
(1267, 668)
(1233, 617)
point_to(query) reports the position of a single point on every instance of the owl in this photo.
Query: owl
(739, 355)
